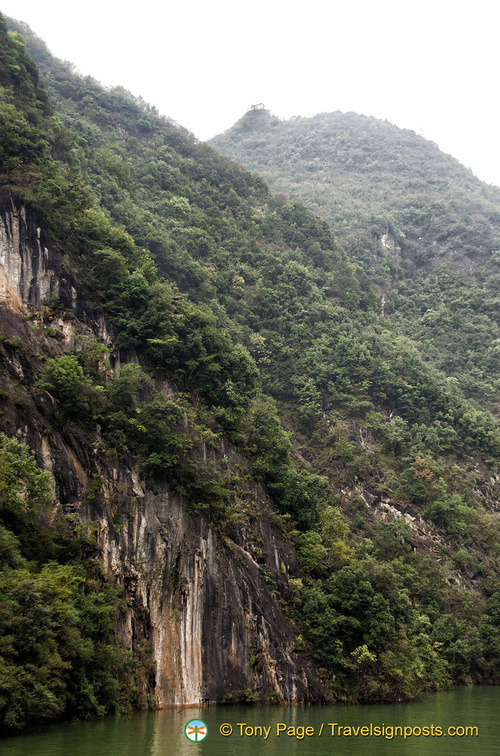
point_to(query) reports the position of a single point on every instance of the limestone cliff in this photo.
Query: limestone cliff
(206, 603)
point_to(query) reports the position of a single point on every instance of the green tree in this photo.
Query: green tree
(79, 396)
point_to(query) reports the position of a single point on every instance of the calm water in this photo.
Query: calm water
(162, 733)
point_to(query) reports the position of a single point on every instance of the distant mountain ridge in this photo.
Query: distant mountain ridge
(421, 225)
(372, 181)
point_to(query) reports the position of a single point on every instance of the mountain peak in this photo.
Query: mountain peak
(257, 117)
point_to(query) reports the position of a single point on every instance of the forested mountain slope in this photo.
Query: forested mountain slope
(423, 227)
(238, 444)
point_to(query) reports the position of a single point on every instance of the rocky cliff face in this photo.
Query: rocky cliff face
(30, 274)
(205, 603)
(215, 627)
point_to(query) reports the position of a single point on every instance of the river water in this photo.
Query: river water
(281, 730)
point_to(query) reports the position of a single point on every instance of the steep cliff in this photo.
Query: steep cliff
(196, 595)
(29, 275)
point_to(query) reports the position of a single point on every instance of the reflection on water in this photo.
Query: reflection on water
(168, 737)
(162, 733)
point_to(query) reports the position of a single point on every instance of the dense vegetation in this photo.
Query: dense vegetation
(425, 230)
(245, 303)
(59, 654)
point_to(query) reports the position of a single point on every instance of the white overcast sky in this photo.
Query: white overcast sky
(429, 66)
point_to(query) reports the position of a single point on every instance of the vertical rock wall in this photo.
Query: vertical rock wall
(217, 630)
(196, 596)
(29, 274)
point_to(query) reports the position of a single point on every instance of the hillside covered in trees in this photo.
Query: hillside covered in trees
(423, 227)
(201, 339)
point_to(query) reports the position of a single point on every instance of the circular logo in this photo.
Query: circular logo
(196, 730)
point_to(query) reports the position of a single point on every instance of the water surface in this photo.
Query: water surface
(162, 733)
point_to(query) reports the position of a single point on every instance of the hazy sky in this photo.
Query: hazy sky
(428, 66)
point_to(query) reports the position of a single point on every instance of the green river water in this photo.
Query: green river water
(162, 733)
